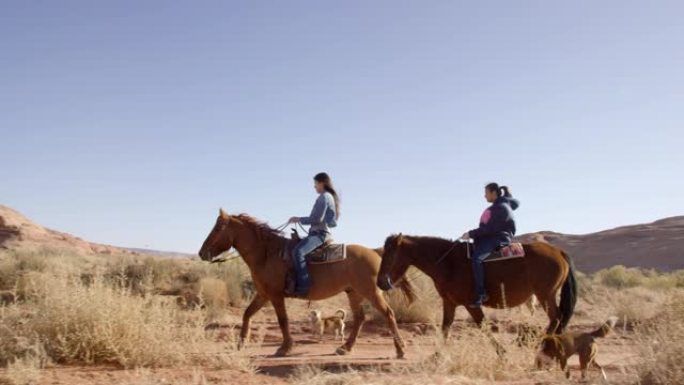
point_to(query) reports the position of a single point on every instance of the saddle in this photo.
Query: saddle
(514, 250)
(328, 252)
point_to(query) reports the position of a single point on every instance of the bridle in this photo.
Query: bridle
(218, 258)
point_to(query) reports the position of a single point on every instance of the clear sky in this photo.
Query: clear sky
(132, 122)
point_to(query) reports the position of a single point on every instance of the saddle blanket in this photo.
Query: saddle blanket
(514, 250)
(334, 252)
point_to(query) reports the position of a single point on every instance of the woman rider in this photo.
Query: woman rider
(324, 215)
(497, 228)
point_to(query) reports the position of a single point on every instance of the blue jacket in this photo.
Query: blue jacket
(497, 224)
(323, 214)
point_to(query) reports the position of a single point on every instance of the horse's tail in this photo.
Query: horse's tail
(407, 288)
(568, 298)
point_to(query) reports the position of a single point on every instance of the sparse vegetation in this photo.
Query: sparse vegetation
(661, 342)
(145, 312)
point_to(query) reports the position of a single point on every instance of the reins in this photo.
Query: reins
(456, 242)
(439, 260)
(221, 259)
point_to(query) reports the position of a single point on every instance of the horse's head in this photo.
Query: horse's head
(219, 239)
(394, 262)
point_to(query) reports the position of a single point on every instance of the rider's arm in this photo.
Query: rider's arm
(495, 223)
(317, 213)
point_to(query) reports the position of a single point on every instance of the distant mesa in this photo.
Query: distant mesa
(658, 245)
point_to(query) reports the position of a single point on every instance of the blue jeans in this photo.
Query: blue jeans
(481, 251)
(304, 247)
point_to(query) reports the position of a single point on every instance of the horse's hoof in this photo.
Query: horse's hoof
(282, 351)
(240, 344)
(400, 355)
(342, 351)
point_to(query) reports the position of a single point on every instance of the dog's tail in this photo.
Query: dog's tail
(605, 328)
(342, 313)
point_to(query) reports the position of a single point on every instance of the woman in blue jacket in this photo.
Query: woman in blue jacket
(323, 217)
(497, 228)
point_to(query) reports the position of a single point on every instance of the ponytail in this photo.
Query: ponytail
(501, 191)
(324, 178)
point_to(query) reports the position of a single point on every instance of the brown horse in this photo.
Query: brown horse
(542, 272)
(262, 248)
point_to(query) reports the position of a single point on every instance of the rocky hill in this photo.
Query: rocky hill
(18, 232)
(658, 245)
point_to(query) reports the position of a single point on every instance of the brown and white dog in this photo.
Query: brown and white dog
(335, 323)
(561, 347)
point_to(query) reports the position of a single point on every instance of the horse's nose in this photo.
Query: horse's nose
(384, 282)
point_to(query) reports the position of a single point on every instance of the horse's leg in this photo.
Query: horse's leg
(257, 303)
(357, 310)
(379, 303)
(478, 317)
(281, 313)
(448, 313)
(552, 311)
(477, 314)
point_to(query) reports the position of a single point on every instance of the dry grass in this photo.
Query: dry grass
(105, 317)
(471, 358)
(100, 323)
(422, 310)
(661, 342)
(106, 309)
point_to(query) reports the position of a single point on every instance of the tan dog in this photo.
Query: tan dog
(561, 347)
(320, 325)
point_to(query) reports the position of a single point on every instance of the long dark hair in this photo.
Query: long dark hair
(500, 190)
(324, 178)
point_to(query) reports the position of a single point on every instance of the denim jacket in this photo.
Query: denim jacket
(322, 216)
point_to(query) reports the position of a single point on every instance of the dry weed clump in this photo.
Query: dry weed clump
(104, 324)
(661, 345)
(420, 311)
(476, 353)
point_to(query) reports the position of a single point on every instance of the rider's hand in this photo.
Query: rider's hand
(293, 220)
(465, 236)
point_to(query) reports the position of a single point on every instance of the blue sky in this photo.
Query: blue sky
(131, 122)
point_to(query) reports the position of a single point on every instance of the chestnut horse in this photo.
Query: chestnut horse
(262, 248)
(543, 271)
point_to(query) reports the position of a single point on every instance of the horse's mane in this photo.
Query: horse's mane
(263, 230)
(420, 238)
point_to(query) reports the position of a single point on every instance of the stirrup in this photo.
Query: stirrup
(479, 301)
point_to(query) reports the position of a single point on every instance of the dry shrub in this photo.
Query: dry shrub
(29, 285)
(661, 344)
(471, 358)
(620, 277)
(474, 354)
(103, 324)
(631, 305)
(24, 371)
(420, 311)
(214, 292)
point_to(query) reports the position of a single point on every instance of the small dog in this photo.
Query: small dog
(320, 325)
(561, 347)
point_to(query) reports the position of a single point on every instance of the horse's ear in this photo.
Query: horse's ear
(223, 214)
(400, 239)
